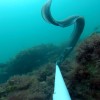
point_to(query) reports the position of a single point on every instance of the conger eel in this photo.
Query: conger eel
(78, 22)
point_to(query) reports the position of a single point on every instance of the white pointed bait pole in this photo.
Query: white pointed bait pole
(60, 89)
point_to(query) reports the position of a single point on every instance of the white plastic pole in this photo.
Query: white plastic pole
(60, 89)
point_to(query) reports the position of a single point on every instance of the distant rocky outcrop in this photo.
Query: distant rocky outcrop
(29, 60)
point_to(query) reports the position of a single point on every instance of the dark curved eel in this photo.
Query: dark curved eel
(78, 22)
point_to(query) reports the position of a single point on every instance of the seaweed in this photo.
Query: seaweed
(29, 87)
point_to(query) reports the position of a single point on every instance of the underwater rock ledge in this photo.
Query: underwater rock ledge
(28, 60)
(82, 76)
(86, 73)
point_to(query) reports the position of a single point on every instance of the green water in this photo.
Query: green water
(22, 26)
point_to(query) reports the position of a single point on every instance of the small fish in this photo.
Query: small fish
(97, 29)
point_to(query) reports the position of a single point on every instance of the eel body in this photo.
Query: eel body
(78, 22)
